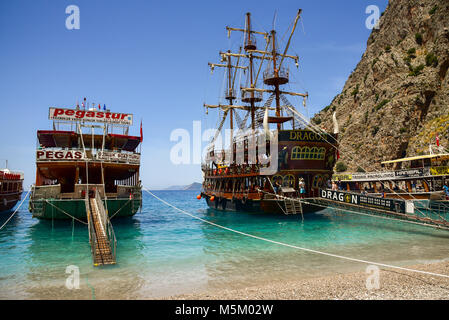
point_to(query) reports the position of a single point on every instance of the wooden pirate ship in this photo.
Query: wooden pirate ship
(279, 154)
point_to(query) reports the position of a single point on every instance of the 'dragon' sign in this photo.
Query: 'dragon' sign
(364, 201)
(304, 135)
(90, 116)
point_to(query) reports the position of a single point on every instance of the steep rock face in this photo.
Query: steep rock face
(397, 98)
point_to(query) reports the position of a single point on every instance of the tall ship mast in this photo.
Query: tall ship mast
(87, 152)
(279, 154)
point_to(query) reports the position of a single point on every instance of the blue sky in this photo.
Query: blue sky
(150, 58)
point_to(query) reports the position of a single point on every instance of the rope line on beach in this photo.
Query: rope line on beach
(293, 246)
(15, 210)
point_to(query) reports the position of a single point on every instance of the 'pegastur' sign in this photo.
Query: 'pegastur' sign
(90, 116)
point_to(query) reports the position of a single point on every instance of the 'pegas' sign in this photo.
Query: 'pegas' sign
(45, 155)
(90, 116)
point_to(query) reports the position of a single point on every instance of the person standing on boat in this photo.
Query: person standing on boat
(302, 188)
(446, 190)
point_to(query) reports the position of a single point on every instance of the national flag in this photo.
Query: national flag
(141, 131)
(438, 140)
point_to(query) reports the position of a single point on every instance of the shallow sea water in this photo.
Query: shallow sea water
(162, 252)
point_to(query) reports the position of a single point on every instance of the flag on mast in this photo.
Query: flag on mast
(141, 131)
(438, 140)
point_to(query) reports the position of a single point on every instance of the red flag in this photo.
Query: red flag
(438, 140)
(141, 131)
(99, 107)
(338, 155)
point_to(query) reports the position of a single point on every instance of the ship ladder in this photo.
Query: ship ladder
(101, 234)
(292, 206)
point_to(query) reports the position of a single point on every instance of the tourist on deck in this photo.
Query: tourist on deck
(302, 188)
(277, 186)
(446, 190)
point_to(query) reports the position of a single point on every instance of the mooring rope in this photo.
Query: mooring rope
(293, 246)
(17, 209)
(65, 212)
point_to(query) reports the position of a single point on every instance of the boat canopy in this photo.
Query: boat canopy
(53, 138)
(124, 142)
(429, 156)
(69, 139)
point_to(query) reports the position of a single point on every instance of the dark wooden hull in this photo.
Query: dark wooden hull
(257, 206)
(8, 201)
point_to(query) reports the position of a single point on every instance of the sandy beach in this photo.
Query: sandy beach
(393, 284)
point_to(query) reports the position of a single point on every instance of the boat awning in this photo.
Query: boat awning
(429, 156)
(124, 142)
(278, 119)
(54, 138)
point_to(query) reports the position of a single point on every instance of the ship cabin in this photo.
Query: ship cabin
(301, 154)
(10, 182)
(419, 177)
(77, 156)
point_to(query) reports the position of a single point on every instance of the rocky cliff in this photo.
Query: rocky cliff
(397, 98)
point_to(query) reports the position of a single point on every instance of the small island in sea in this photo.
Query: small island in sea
(195, 186)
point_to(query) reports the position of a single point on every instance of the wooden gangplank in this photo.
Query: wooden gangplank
(102, 250)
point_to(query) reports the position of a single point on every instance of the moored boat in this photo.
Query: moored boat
(11, 187)
(420, 177)
(88, 152)
(265, 167)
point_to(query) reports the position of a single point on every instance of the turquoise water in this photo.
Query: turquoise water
(162, 252)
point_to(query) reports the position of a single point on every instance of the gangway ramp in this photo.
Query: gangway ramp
(396, 212)
(101, 234)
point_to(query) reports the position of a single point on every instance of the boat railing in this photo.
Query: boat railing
(91, 228)
(51, 191)
(106, 155)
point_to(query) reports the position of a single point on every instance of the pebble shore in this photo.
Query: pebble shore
(393, 285)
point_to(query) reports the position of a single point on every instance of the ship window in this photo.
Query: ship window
(314, 153)
(296, 153)
(289, 181)
(322, 153)
(306, 153)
